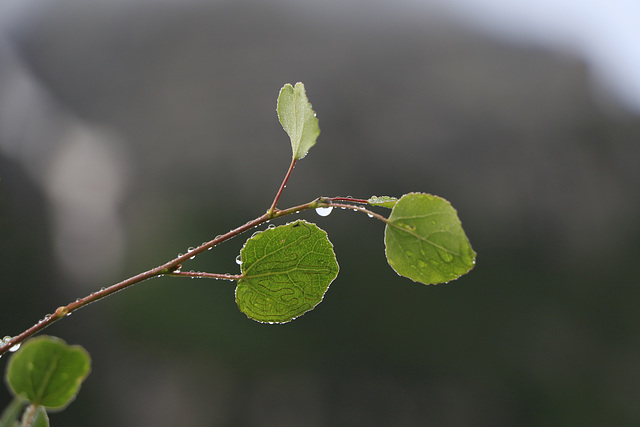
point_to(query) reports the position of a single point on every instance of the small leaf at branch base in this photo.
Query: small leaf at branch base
(40, 418)
(286, 271)
(12, 412)
(384, 201)
(48, 372)
(425, 241)
(297, 119)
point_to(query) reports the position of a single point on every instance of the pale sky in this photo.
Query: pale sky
(605, 33)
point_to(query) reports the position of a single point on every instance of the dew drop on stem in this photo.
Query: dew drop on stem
(325, 211)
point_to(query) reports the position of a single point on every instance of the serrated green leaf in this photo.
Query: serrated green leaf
(384, 201)
(286, 271)
(297, 119)
(425, 241)
(48, 372)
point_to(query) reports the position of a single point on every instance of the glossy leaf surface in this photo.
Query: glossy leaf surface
(286, 271)
(425, 241)
(48, 372)
(297, 119)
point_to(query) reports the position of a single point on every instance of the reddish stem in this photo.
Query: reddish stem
(272, 209)
(346, 199)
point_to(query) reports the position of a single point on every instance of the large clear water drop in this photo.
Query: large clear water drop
(324, 211)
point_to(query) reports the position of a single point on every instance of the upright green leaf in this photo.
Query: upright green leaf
(425, 241)
(48, 372)
(286, 271)
(297, 119)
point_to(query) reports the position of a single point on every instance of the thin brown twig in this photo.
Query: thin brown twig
(172, 267)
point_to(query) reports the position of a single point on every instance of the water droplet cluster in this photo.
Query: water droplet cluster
(8, 338)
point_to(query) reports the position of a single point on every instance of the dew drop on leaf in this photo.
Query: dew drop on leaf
(239, 260)
(324, 211)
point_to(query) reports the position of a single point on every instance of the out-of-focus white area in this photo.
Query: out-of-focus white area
(81, 169)
(605, 33)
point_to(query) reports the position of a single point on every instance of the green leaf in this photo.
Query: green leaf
(39, 419)
(425, 241)
(48, 372)
(12, 412)
(384, 201)
(286, 271)
(297, 119)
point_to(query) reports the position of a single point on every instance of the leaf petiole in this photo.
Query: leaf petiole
(205, 275)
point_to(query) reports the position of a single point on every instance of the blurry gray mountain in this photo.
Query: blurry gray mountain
(192, 90)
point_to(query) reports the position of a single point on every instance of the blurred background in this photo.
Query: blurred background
(132, 130)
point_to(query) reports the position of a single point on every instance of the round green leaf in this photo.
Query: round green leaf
(286, 271)
(425, 241)
(297, 119)
(48, 372)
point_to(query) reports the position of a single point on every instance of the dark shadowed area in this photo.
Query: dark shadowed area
(130, 132)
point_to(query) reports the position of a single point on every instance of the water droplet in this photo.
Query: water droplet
(239, 260)
(324, 211)
(370, 216)
(191, 248)
(271, 226)
(445, 256)
(15, 348)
